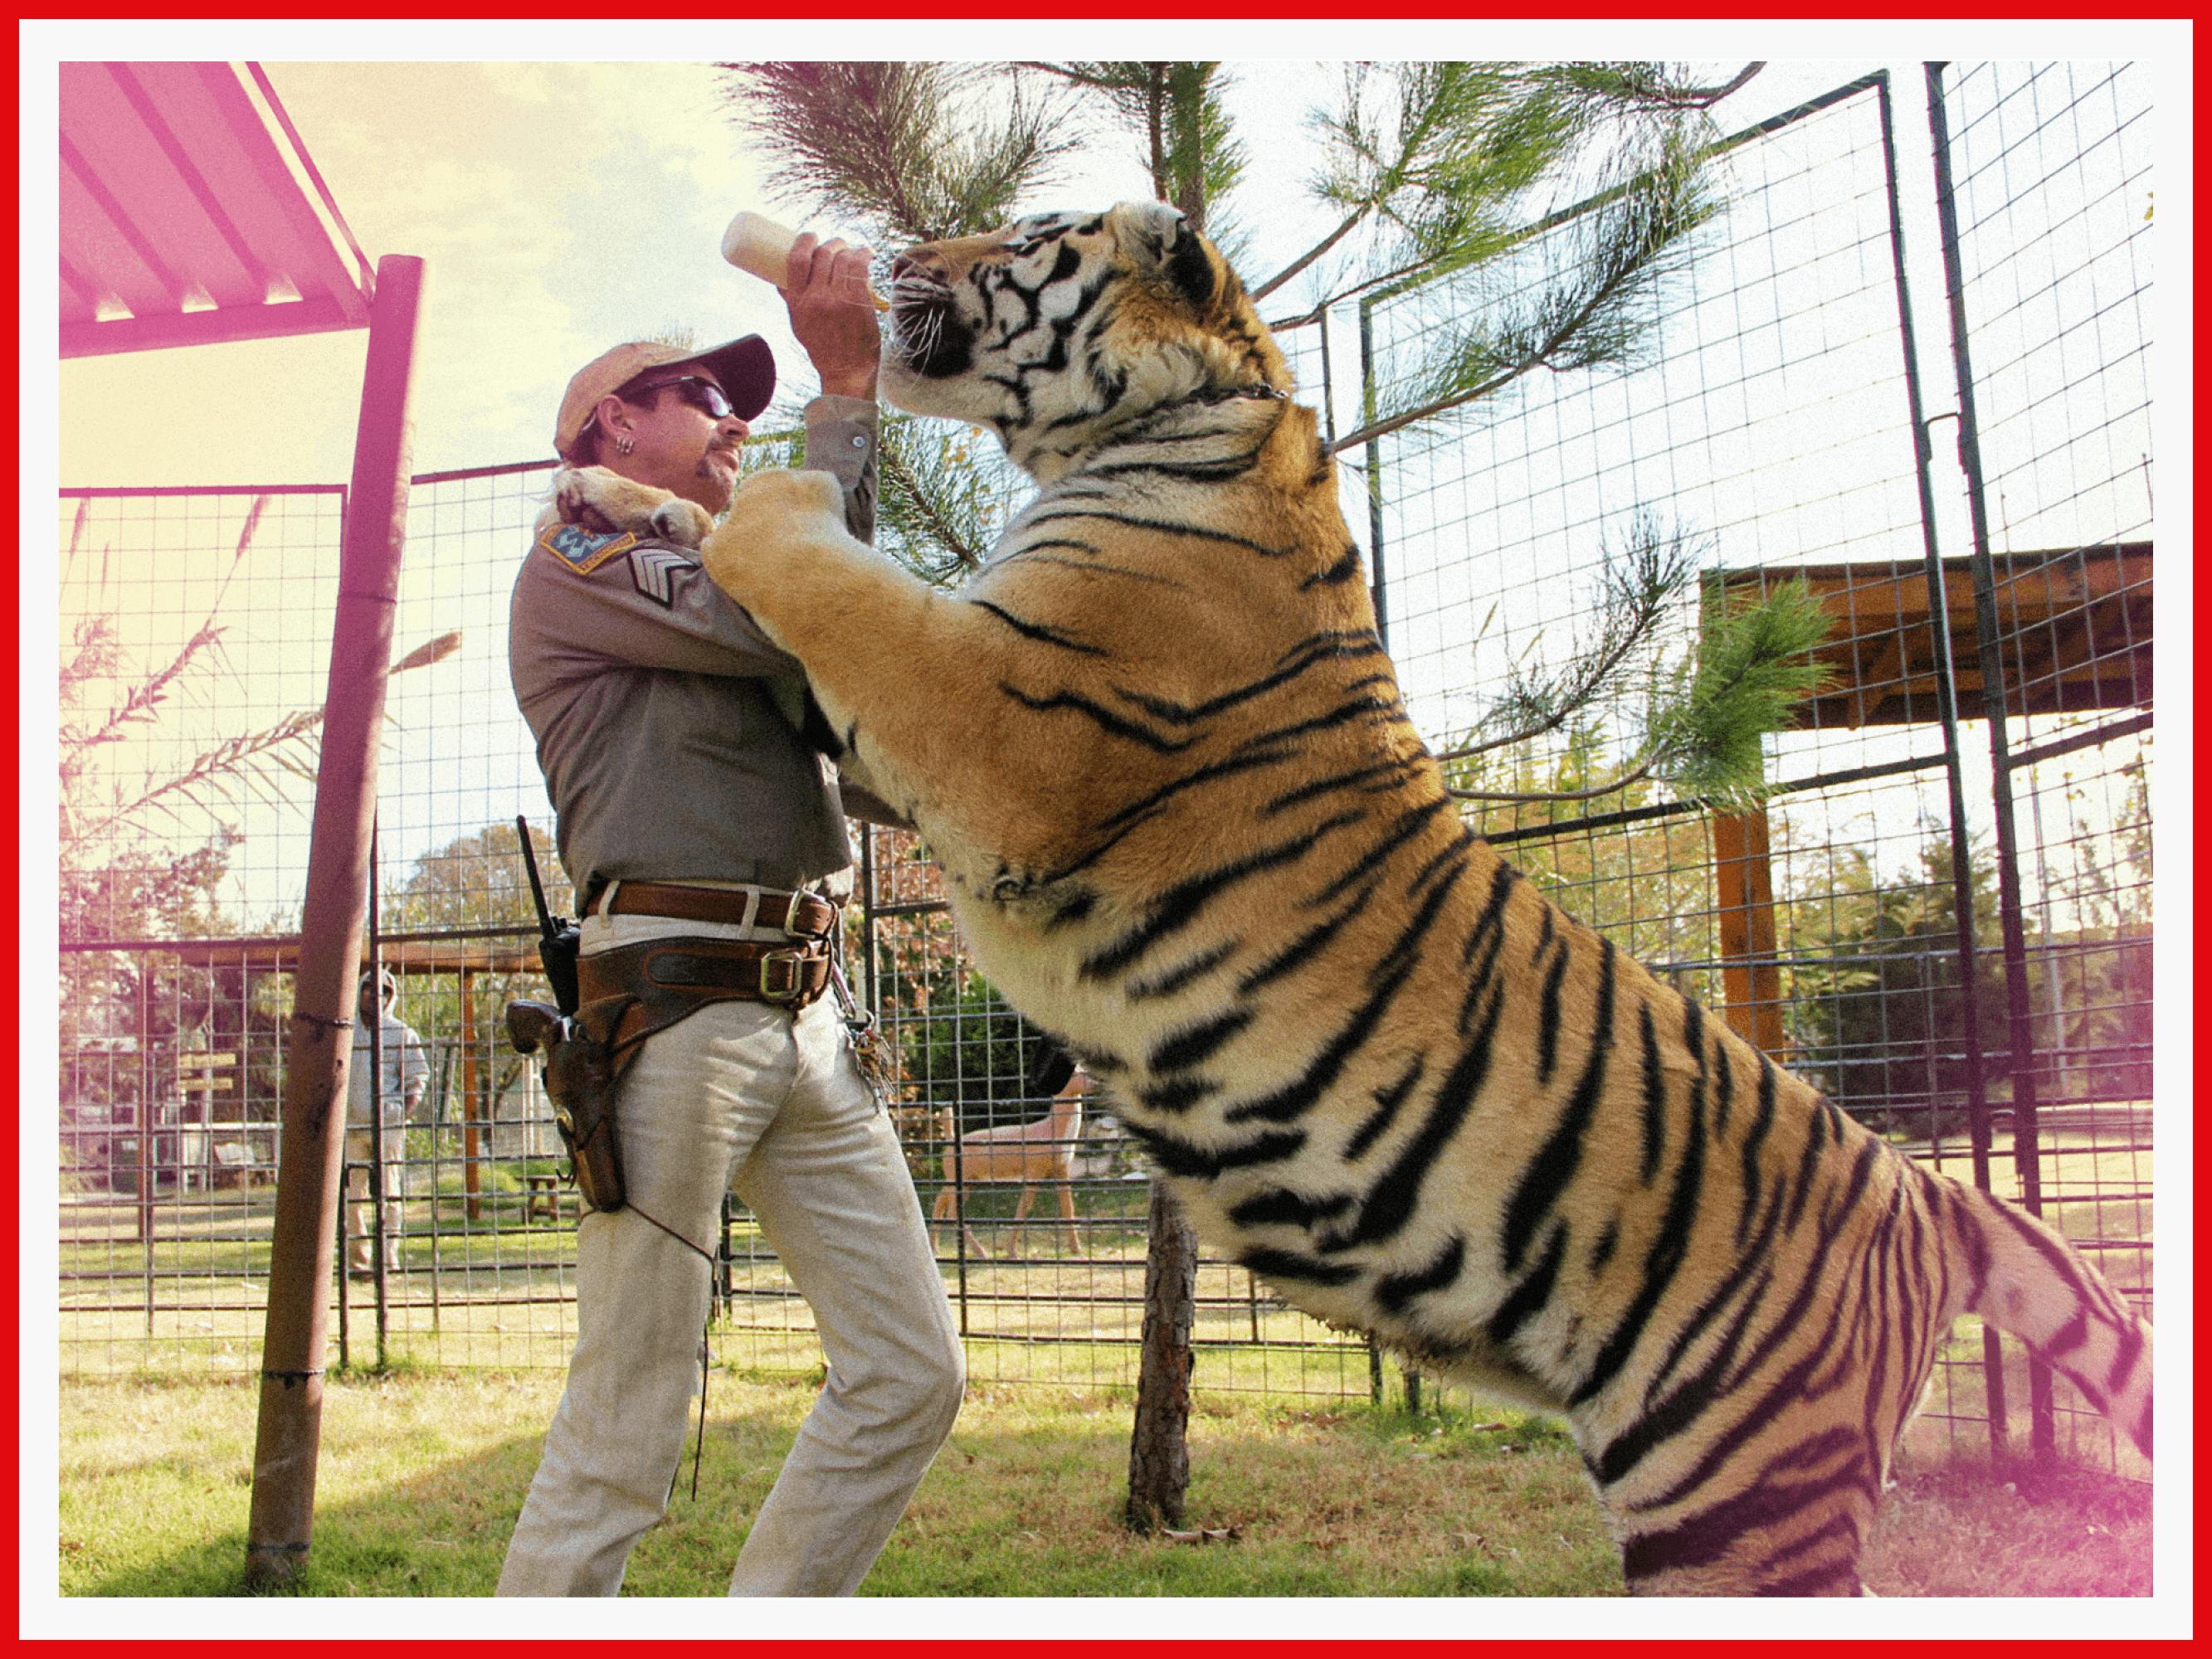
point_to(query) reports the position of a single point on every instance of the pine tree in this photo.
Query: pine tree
(1431, 170)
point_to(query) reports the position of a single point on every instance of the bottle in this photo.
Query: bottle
(757, 244)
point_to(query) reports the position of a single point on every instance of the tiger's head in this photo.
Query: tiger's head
(1064, 327)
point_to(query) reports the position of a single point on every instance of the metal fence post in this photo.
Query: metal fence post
(1946, 707)
(2011, 915)
(325, 990)
(1378, 592)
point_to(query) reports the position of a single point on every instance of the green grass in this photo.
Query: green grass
(422, 1472)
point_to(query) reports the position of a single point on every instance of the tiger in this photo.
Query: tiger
(1188, 827)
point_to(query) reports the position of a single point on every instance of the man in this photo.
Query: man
(399, 1055)
(690, 807)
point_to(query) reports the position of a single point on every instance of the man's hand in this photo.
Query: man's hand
(833, 314)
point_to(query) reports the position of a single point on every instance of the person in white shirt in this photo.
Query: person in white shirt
(406, 1074)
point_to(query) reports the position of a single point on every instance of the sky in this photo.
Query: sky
(558, 208)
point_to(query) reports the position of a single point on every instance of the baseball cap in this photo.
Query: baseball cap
(745, 369)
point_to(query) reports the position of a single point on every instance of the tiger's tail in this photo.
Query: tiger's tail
(2026, 1279)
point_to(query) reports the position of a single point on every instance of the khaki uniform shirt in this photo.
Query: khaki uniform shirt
(667, 725)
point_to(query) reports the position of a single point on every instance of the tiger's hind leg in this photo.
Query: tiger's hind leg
(1754, 1520)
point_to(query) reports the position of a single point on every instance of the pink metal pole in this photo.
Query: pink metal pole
(320, 1048)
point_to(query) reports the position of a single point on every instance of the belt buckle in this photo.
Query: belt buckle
(780, 975)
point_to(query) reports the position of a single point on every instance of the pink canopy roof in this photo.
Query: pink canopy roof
(190, 212)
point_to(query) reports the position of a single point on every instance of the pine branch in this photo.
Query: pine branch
(931, 515)
(901, 148)
(1577, 319)
(1752, 665)
(938, 496)
(1641, 585)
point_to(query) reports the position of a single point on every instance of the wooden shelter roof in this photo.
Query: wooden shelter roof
(2073, 629)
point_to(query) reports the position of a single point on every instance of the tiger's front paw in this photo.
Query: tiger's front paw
(685, 523)
(772, 511)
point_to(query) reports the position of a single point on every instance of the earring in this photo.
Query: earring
(624, 445)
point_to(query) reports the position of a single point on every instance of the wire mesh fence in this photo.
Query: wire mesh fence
(2045, 185)
(1971, 783)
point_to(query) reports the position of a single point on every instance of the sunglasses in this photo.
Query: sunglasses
(699, 392)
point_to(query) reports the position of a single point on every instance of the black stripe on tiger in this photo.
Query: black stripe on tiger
(1389, 1202)
(1278, 1207)
(1307, 946)
(1787, 1387)
(1289, 1264)
(1394, 1291)
(1547, 1174)
(1105, 718)
(1346, 567)
(1708, 1536)
(1527, 1298)
(1360, 779)
(1388, 1099)
(1545, 929)
(1169, 981)
(1655, 1095)
(1321, 649)
(1192, 1045)
(1669, 1248)
(1762, 1121)
(1180, 1157)
(1665, 1418)
(1371, 708)
(1169, 527)
(1548, 1012)
(1454, 849)
(1175, 1095)
(1387, 977)
(1407, 824)
(1039, 631)
(1180, 906)
(1144, 806)
(1221, 470)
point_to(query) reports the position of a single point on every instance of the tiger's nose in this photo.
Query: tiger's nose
(917, 262)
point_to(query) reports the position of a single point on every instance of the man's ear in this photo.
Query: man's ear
(1156, 233)
(612, 414)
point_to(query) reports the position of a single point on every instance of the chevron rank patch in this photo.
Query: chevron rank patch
(585, 551)
(655, 570)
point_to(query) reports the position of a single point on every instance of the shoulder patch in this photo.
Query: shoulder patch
(654, 569)
(584, 551)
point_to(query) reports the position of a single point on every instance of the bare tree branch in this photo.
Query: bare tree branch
(1635, 775)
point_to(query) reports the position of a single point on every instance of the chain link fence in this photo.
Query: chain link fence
(1970, 787)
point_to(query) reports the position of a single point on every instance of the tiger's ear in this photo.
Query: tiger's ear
(1156, 235)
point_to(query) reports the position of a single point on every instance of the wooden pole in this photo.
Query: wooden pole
(319, 1046)
(1750, 978)
(1159, 1453)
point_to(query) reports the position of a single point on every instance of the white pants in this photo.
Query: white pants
(746, 1087)
(360, 1148)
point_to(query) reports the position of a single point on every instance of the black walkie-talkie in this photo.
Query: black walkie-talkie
(558, 937)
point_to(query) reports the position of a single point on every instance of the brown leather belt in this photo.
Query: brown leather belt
(803, 916)
(670, 977)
